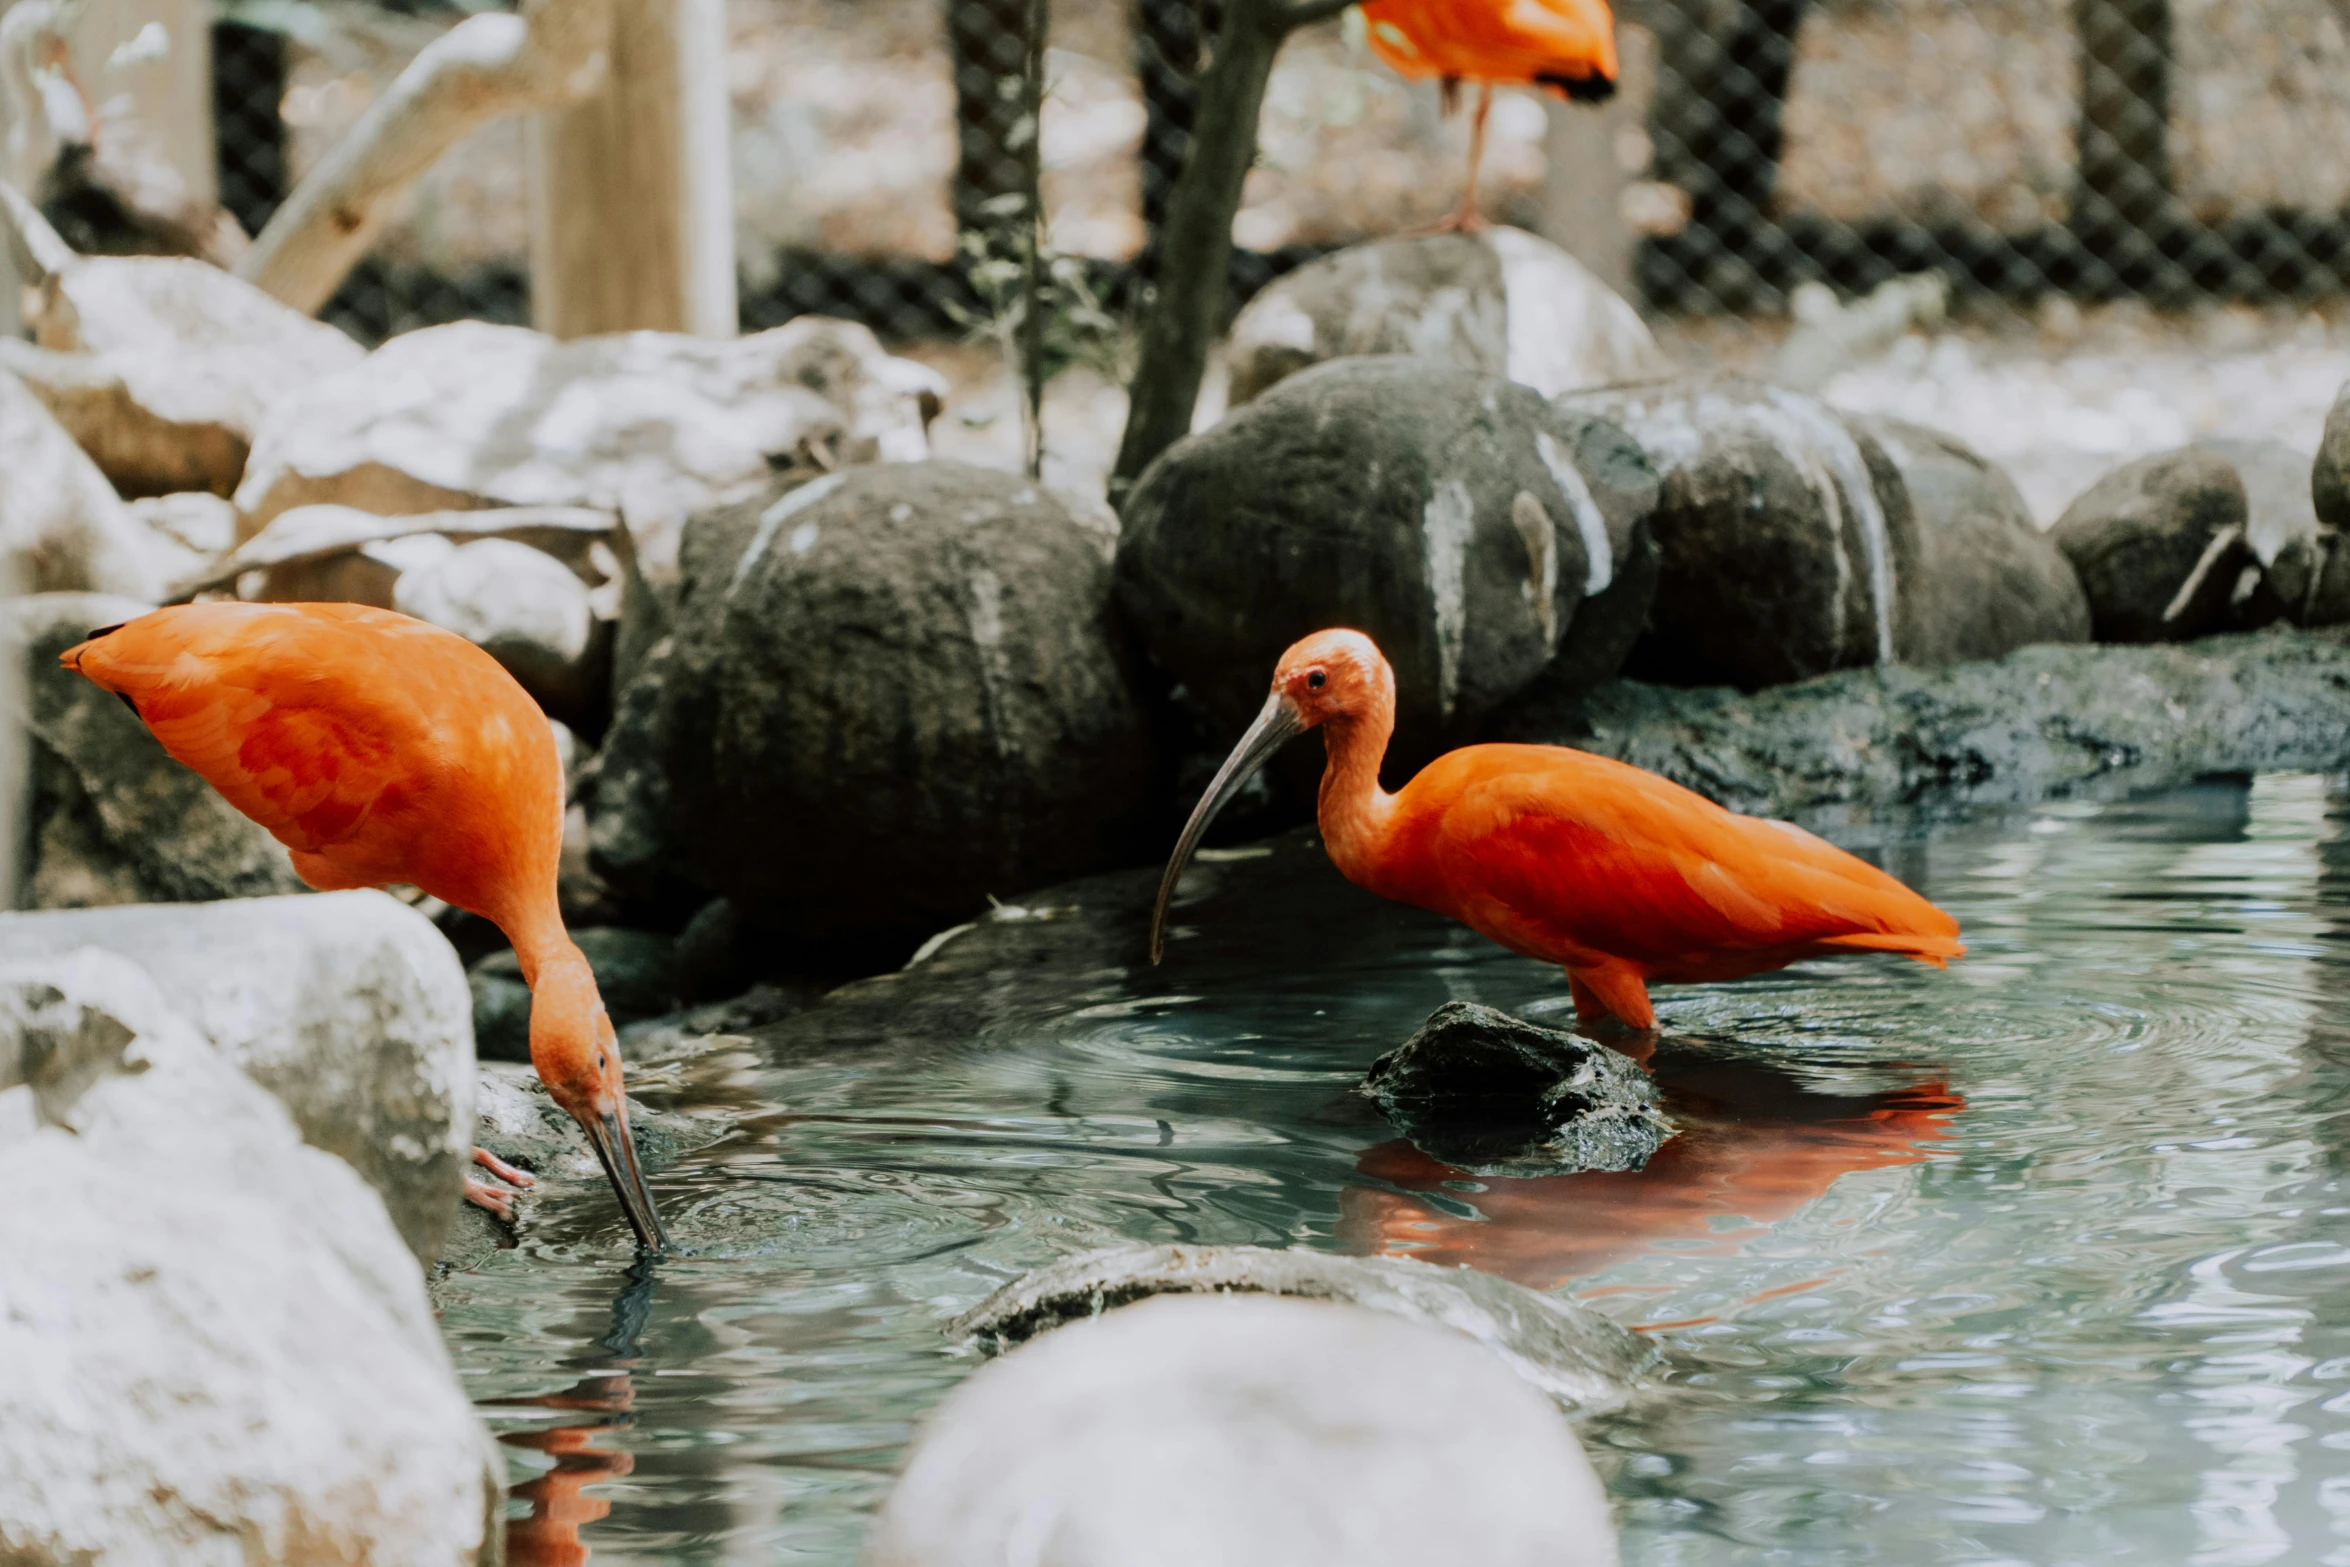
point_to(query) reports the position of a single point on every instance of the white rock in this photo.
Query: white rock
(1501, 301)
(62, 527)
(214, 1351)
(652, 425)
(1245, 1430)
(524, 608)
(350, 1007)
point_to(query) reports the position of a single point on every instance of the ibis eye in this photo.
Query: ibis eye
(1317, 680)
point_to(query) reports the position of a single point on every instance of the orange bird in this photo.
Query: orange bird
(385, 751)
(1617, 875)
(1565, 46)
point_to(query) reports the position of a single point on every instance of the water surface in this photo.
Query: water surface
(2042, 1260)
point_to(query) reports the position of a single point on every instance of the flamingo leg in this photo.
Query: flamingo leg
(1607, 992)
(496, 1200)
(1466, 220)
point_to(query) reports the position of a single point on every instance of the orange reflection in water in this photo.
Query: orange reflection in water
(559, 1505)
(1753, 1144)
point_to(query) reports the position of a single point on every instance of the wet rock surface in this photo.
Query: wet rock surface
(891, 693)
(2159, 545)
(1481, 536)
(219, 1348)
(111, 818)
(1490, 1094)
(1499, 302)
(1245, 1432)
(1987, 580)
(348, 1007)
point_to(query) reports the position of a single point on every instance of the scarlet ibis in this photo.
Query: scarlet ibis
(385, 751)
(1567, 47)
(1615, 874)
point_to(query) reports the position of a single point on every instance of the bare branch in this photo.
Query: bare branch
(555, 52)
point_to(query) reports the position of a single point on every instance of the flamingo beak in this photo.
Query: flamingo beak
(607, 1133)
(1276, 726)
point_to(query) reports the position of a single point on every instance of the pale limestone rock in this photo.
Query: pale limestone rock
(525, 609)
(214, 1351)
(350, 1007)
(62, 527)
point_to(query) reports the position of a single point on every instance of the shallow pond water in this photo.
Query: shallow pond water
(2043, 1260)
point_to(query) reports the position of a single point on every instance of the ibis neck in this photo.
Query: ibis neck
(541, 942)
(1354, 811)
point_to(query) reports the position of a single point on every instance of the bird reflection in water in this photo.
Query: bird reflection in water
(559, 1504)
(1754, 1144)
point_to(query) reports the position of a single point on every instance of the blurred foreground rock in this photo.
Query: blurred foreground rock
(1483, 537)
(654, 426)
(62, 528)
(891, 693)
(1245, 1433)
(110, 817)
(1490, 1094)
(1500, 302)
(2160, 545)
(213, 1346)
(349, 1007)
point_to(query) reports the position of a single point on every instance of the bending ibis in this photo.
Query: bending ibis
(1620, 877)
(1566, 47)
(384, 751)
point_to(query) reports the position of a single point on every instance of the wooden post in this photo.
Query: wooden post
(1584, 176)
(167, 77)
(632, 190)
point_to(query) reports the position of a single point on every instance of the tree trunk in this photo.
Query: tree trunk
(988, 42)
(1195, 247)
(170, 87)
(632, 196)
(1584, 178)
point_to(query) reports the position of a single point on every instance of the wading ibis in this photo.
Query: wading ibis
(1618, 876)
(1566, 47)
(384, 751)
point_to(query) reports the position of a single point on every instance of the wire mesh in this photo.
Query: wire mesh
(2179, 151)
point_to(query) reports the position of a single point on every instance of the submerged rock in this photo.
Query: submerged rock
(1245, 1433)
(214, 1346)
(1490, 1094)
(891, 694)
(1499, 302)
(109, 816)
(2159, 545)
(1481, 536)
(349, 1007)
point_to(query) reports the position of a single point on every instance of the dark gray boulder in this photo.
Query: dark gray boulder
(2329, 476)
(1987, 580)
(1490, 1094)
(889, 694)
(1785, 536)
(2302, 574)
(110, 818)
(1480, 535)
(2160, 545)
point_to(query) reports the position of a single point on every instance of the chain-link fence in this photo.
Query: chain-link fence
(2174, 150)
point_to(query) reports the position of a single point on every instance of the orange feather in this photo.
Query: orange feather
(1567, 46)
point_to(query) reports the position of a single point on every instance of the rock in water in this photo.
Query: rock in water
(1987, 580)
(1786, 537)
(1245, 1433)
(213, 1348)
(1490, 1094)
(890, 693)
(653, 425)
(1481, 536)
(110, 817)
(1500, 301)
(349, 1007)
(2159, 545)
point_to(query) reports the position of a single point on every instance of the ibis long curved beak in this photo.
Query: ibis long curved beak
(1275, 727)
(607, 1133)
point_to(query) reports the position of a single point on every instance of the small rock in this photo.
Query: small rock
(891, 693)
(110, 817)
(198, 521)
(651, 424)
(1500, 302)
(2297, 575)
(526, 610)
(62, 528)
(709, 956)
(1831, 335)
(1478, 534)
(1987, 580)
(2159, 545)
(1581, 1359)
(215, 1348)
(349, 1007)
(1490, 1094)
(1246, 1433)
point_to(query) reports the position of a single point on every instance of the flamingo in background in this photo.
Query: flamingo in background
(1615, 874)
(384, 751)
(1566, 47)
